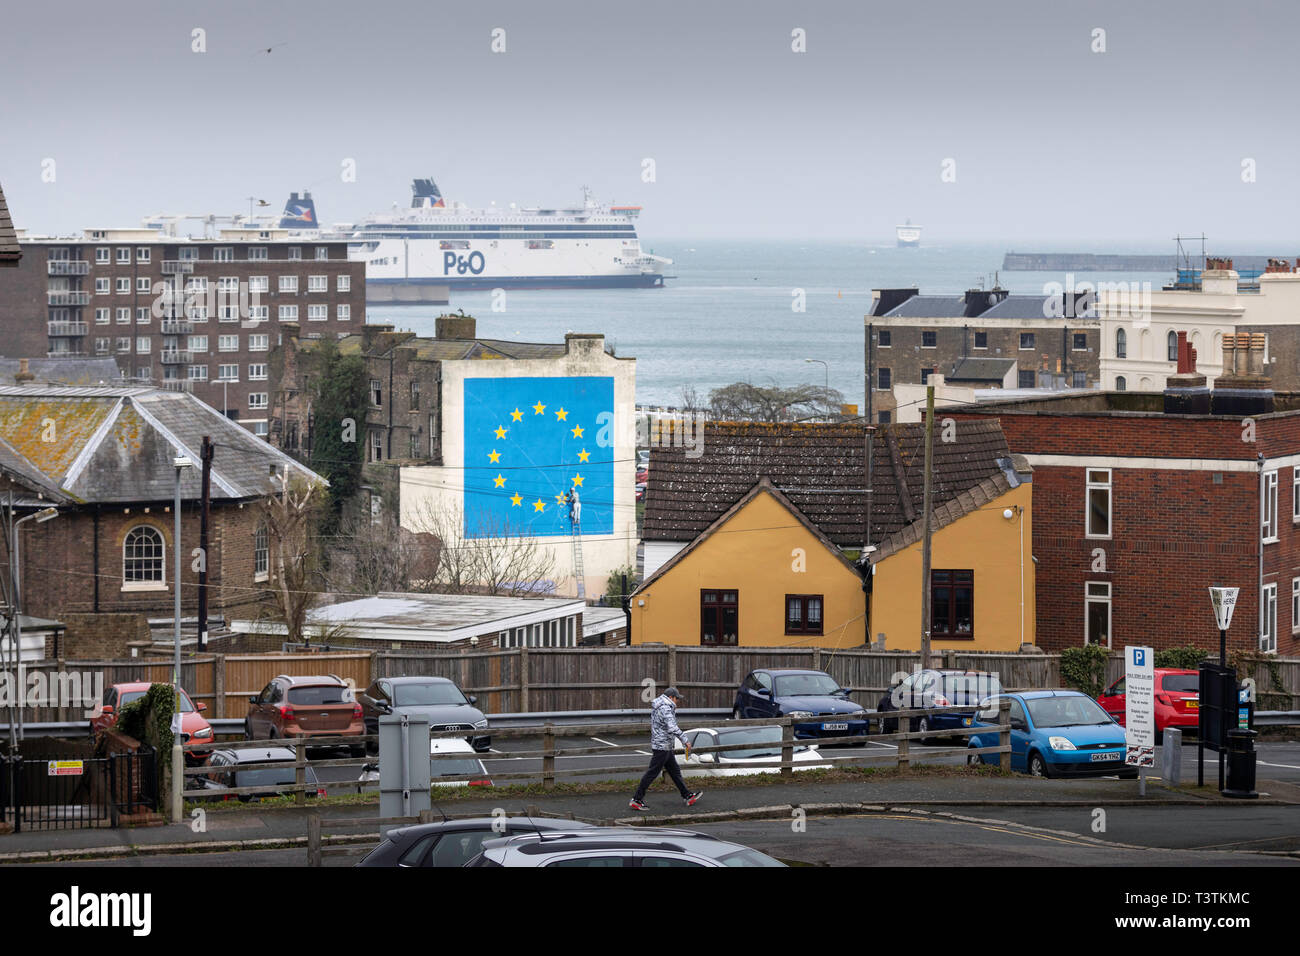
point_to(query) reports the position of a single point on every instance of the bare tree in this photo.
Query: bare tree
(485, 556)
(746, 402)
(289, 512)
(374, 553)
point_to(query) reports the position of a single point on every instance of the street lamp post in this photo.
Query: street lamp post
(827, 368)
(178, 763)
(40, 517)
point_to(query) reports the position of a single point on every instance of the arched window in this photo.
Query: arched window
(143, 556)
(1121, 384)
(1121, 344)
(1172, 341)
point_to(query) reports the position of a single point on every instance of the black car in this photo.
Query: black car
(231, 769)
(822, 707)
(454, 842)
(437, 699)
(924, 689)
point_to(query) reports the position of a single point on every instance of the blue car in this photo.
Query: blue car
(813, 695)
(1055, 733)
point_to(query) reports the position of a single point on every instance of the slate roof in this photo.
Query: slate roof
(929, 307)
(450, 350)
(9, 251)
(981, 370)
(63, 371)
(820, 469)
(1022, 307)
(116, 444)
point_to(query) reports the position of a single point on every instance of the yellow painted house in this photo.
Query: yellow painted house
(777, 562)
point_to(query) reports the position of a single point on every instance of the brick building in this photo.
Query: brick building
(1143, 501)
(103, 456)
(982, 339)
(10, 252)
(193, 315)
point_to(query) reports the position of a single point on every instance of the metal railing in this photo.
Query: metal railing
(68, 298)
(67, 328)
(176, 356)
(68, 267)
(177, 266)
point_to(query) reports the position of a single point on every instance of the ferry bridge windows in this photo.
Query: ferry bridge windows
(1121, 344)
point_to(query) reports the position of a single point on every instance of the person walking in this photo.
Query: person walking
(663, 731)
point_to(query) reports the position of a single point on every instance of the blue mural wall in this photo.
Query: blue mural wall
(528, 443)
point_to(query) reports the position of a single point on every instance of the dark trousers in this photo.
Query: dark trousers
(663, 761)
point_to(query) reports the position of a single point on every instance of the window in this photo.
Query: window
(288, 313)
(981, 340)
(376, 445)
(259, 429)
(142, 345)
(101, 287)
(288, 283)
(124, 316)
(123, 256)
(1079, 380)
(197, 285)
(123, 285)
(883, 379)
(142, 557)
(1121, 344)
(198, 343)
(257, 399)
(803, 613)
(142, 315)
(344, 284)
(318, 283)
(228, 284)
(1295, 605)
(123, 343)
(257, 373)
(413, 446)
(1268, 508)
(101, 346)
(322, 252)
(1268, 623)
(259, 284)
(415, 397)
(317, 313)
(929, 340)
(885, 338)
(1025, 378)
(295, 253)
(257, 343)
(1121, 383)
(1080, 341)
(261, 554)
(227, 343)
(257, 253)
(101, 255)
(952, 604)
(376, 393)
(223, 254)
(343, 313)
(187, 255)
(1295, 493)
(719, 618)
(1097, 491)
(259, 313)
(1171, 346)
(1026, 341)
(102, 316)
(228, 373)
(1096, 616)
(884, 418)
(143, 285)
(925, 375)
(198, 373)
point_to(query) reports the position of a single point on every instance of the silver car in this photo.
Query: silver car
(619, 846)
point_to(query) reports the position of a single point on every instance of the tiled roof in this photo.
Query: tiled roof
(116, 444)
(9, 251)
(981, 370)
(63, 371)
(451, 350)
(929, 307)
(820, 468)
(945, 514)
(1022, 307)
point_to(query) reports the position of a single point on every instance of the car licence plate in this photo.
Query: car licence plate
(1098, 758)
(835, 726)
(1193, 704)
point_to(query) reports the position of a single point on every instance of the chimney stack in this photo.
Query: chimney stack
(23, 375)
(1243, 388)
(1185, 391)
(454, 327)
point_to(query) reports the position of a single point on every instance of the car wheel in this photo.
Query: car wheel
(735, 714)
(923, 726)
(974, 760)
(248, 730)
(1038, 766)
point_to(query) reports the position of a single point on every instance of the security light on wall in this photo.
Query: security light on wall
(182, 462)
(45, 514)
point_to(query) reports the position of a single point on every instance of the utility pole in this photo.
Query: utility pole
(206, 454)
(925, 541)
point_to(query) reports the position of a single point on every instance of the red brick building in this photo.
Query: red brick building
(1139, 508)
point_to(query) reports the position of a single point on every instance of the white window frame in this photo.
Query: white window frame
(123, 285)
(259, 343)
(343, 312)
(259, 284)
(1295, 605)
(1268, 619)
(142, 315)
(143, 345)
(258, 399)
(322, 253)
(122, 344)
(257, 372)
(197, 373)
(159, 585)
(124, 315)
(1033, 342)
(317, 313)
(104, 316)
(142, 254)
(143, 285)
(1108, 600)
(261, 554)
(288, 284)
(196, 343)
(257, 254)
(103, 255)
(227, 343)
(228, 373)
(123, 256)
(344, 284)
(1268, 508)
(259, 313)
(102, 286)
(287, 313)
(1089, 485)
(318, 283)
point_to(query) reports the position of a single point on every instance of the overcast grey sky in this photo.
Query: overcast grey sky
(1050, 140)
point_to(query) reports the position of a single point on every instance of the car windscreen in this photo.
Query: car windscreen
(1181, 683)
(270, 777)
(747, 857)
(454, 768)
(1066, 712)
(318, 695)
(805, 685)
(761, 741)
(426, 695)
(970, 688)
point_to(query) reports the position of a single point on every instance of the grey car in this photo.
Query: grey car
(619, 847)
(437, 699)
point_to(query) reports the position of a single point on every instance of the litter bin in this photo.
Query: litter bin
(1240, 755)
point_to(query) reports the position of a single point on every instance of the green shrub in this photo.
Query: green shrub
(614, 585)
(1084, 668)
(1181, 658)
(149, 719)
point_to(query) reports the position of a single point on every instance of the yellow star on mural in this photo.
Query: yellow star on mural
(494, 456)
(516, 500)
(562, 415)
(584, 455)
(577, 431)
(500, 433)
(516, 415)
(539, 408)
(539, 505)
(499, 481)
(577, 480)
(559, 500)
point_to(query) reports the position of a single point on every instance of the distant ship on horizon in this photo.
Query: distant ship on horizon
(908, 235)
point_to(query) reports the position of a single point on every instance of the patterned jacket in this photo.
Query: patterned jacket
(663, 724)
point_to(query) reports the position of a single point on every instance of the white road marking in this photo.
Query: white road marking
(605, 742)
(494, 750)
(644, 753)
(1286, 766)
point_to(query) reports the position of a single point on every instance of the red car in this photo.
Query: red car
(194, 729)
(1178, 700)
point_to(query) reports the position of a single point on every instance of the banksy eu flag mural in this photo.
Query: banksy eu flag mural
(530, 443)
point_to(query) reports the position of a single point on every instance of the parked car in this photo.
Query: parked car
(454, 842)
(640, 490)
(194, 727)
(435, 698)
(763, 746)
(444, 767)
(1055, 733)
(642, 475)
(619, 846)
(1177, 700)
(318, 706)
(814, 697)
(931, 687)
(643, 458)
(230, 769)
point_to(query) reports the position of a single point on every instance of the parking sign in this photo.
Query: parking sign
(1139, 707)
